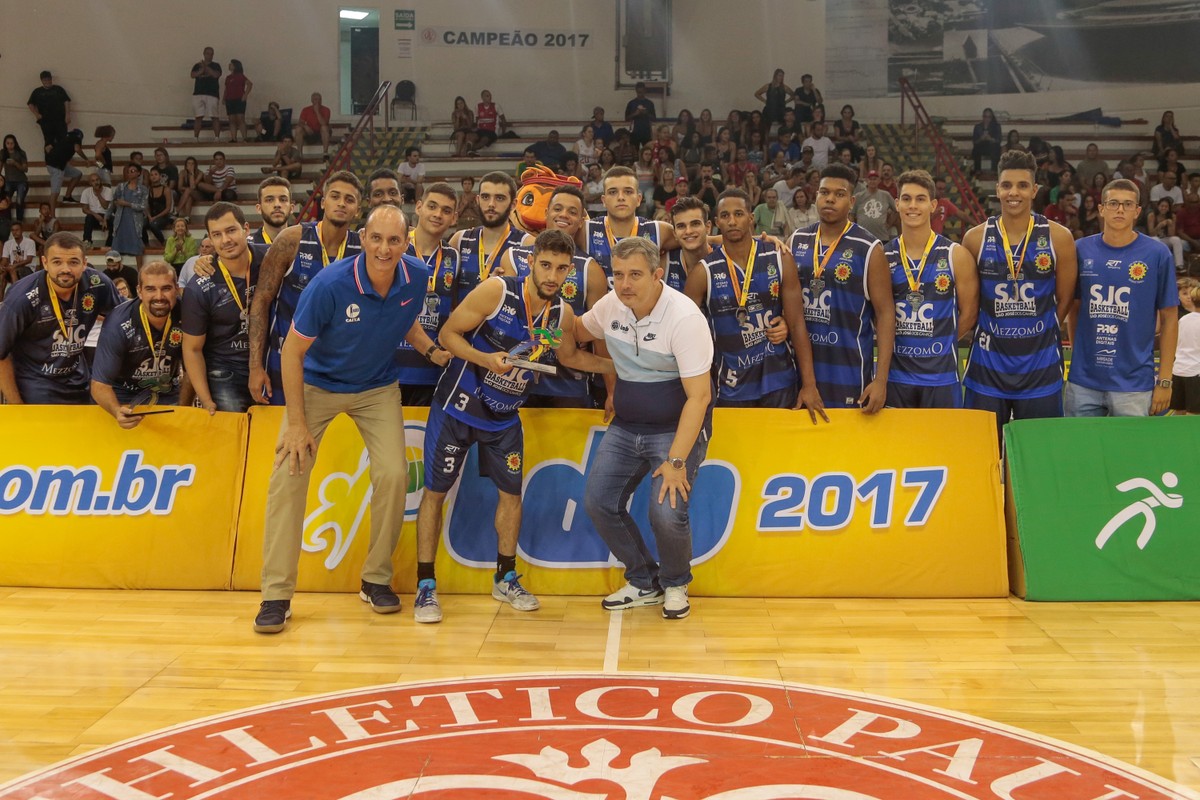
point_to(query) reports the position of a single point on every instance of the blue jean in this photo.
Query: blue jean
(622, 460)
(1083, 402)
(230, 390)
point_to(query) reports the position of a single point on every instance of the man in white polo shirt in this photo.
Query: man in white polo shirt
(662, 401)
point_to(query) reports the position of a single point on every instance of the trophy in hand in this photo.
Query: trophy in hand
(526, 354)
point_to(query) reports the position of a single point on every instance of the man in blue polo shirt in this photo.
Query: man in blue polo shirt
(340, 357)
(1126, 285)
(662, 400)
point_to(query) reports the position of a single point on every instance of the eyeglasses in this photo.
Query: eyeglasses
(1123, 205)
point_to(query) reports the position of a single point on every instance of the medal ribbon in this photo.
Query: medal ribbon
(742, 292)
(1013, 271)
(529, 318)
(237, 298)
(155, 352)
(819, 269)
(914, 279)
(62, 323)
(266, 236)
(325, 256)
(437, 264)
(612, 238)
(486, 265)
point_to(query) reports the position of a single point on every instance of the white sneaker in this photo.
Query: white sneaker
(512, 592)
(675, 606)
(426, 607)
(630, 596)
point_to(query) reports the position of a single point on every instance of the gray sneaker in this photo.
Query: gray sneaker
(676, 605)
(630, 596)
(426, 607)
(509, 590)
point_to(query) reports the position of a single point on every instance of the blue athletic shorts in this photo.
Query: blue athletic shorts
(447, 441)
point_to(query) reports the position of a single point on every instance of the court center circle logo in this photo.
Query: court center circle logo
(592, 737)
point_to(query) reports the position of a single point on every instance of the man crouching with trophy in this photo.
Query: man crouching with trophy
(497, 336)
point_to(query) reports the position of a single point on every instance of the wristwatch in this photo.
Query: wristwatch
(677, 463)
(1164, 383)
(430, 350)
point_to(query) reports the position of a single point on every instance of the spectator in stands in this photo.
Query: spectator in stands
(585, 146)
(490, 123)
(1095, 187)
(1056, 165)
(985, 141)
(624, 152)
(1187, 217)
(602, 130)
(822, 146)
(847, 132)
(103, 153)
(1091, 165)
(95, 200)
(44, 226)
(1170, 163)
(314, 126)
(802, 213)
(116, 269)
(684, 125)
(58, 163)
(756, 154)
(129, 212)
(648, 172)
(190, 179)
(237, 92)
(663, 148)
(943, 210)
(808, 101)
(270, 124)
(1127, 169)
(1166, 188)
(206, 93)
(550, 151)
(870, 161)
(1039, 148)
(1013, 141)
(607, 160)
(753, 188)
(726, 147)
(775, 96)
(1185, 389)
(769, 216)
(412, 175)
(691, 152)
(1138, 160)
(189, 267)
(51, 108)
(16, 180)
(740, 167)
(1166, 135)
(5, 210)
(220, 182)
(170, 172)
(875, 210)
(777, 170)
(887, 180)
(1089, 216)
(682, 190)
(18, 258)
(708, 188)
(593, 191)
(1160, 223)
(639, 116)
(786, 146)
(468, 206)
(736, 127)
(786, 188)
(528, 159)
(706, 127)
(570, 168)
(160, 207)
(287, 161)
(462, 123)
(181, 245)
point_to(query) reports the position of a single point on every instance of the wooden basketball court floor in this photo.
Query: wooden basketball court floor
(84, 668)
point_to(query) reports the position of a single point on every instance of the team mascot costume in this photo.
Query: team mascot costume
(538, 183)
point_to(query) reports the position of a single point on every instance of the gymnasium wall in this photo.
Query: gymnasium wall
(126, 62)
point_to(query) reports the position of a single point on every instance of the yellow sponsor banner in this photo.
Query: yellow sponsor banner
(84, 503)
(901, 504)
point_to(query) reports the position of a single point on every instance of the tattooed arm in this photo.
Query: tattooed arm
(270, 276)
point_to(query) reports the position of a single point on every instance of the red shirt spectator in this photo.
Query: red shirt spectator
(309, 117)
(942, 210)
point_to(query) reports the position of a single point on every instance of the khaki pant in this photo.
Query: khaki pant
(378, 414)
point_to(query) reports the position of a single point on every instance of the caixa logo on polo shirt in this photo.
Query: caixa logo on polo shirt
(353, 313)
(555, 529)
(136, 488)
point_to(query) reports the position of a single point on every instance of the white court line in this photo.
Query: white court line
(612, 648)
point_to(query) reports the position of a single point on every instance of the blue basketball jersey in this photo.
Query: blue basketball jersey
(600, 248)
(926, 352)
(747, 366)
(474, 265)
(1016, 353)
(415, 369)
(676, 273)
(568, 383)
(310, 259)
(477, 396)
(838, 313)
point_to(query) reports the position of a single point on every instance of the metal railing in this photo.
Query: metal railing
(945, 160)
(365, 127)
